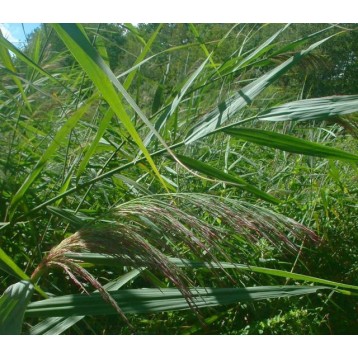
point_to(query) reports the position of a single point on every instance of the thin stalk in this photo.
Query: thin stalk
(121, 168)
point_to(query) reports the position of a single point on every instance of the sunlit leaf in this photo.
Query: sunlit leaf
(60, 138)
(227, 109)
(13, 304)
(312, 109)
(102, 77)
(160, 300)
(58, 325)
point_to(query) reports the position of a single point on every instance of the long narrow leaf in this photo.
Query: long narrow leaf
(228, 178)
(289, 143)
(141, 57)
(102, 76)
(94, 143)
(312, 109)
(160, 300)
(174, 105)
(202, 44)
(260, 50)
(10, 267)
(58, 325)
(60, 138)
(109, 114)
(109, 260)
(7, 61)
(246, 95)
(7, 44)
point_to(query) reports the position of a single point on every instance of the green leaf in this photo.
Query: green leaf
(57, 325)
(227, 109)
(13, 304)
(259, 51)
(10, 267)
(227, 178)
(7, 61)
(135, 32)
(109, 114)
(132, 184)
(141, 57)
(292, 45)
(289, 143)
(312, 109)
(177, 100)
(60, 138)
(202, 44)
(94, 143)
(102, 77)
(76, 220)
(8, 45)
(160, 300)
(110, 260)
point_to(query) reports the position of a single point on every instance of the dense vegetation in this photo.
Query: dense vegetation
(201, 178)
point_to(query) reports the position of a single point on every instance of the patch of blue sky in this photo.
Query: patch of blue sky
(17, 33)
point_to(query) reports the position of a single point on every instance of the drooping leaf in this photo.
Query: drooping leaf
(73, 218)
(227, 109)
(227, 178)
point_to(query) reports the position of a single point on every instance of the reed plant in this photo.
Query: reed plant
(124, 196)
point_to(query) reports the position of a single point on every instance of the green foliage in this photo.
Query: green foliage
(126, 172)
(13, 304)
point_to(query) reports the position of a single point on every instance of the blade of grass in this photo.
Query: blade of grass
(246, 95)
(109, 260)
(13, 304)
(259, 51)
(312, 109)
(8, 45)
(102, 76)
(103, 125)
(141, 57)
(60, 138)
(77, 221)
(109, 114)
(227, 178)
(7, 61)
(176, 102)
(10, 267)
(196, 34)
(289, 143)
(160, 300)
(135, 32)
(58, 325)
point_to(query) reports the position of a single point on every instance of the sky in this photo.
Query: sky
(16, 33)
